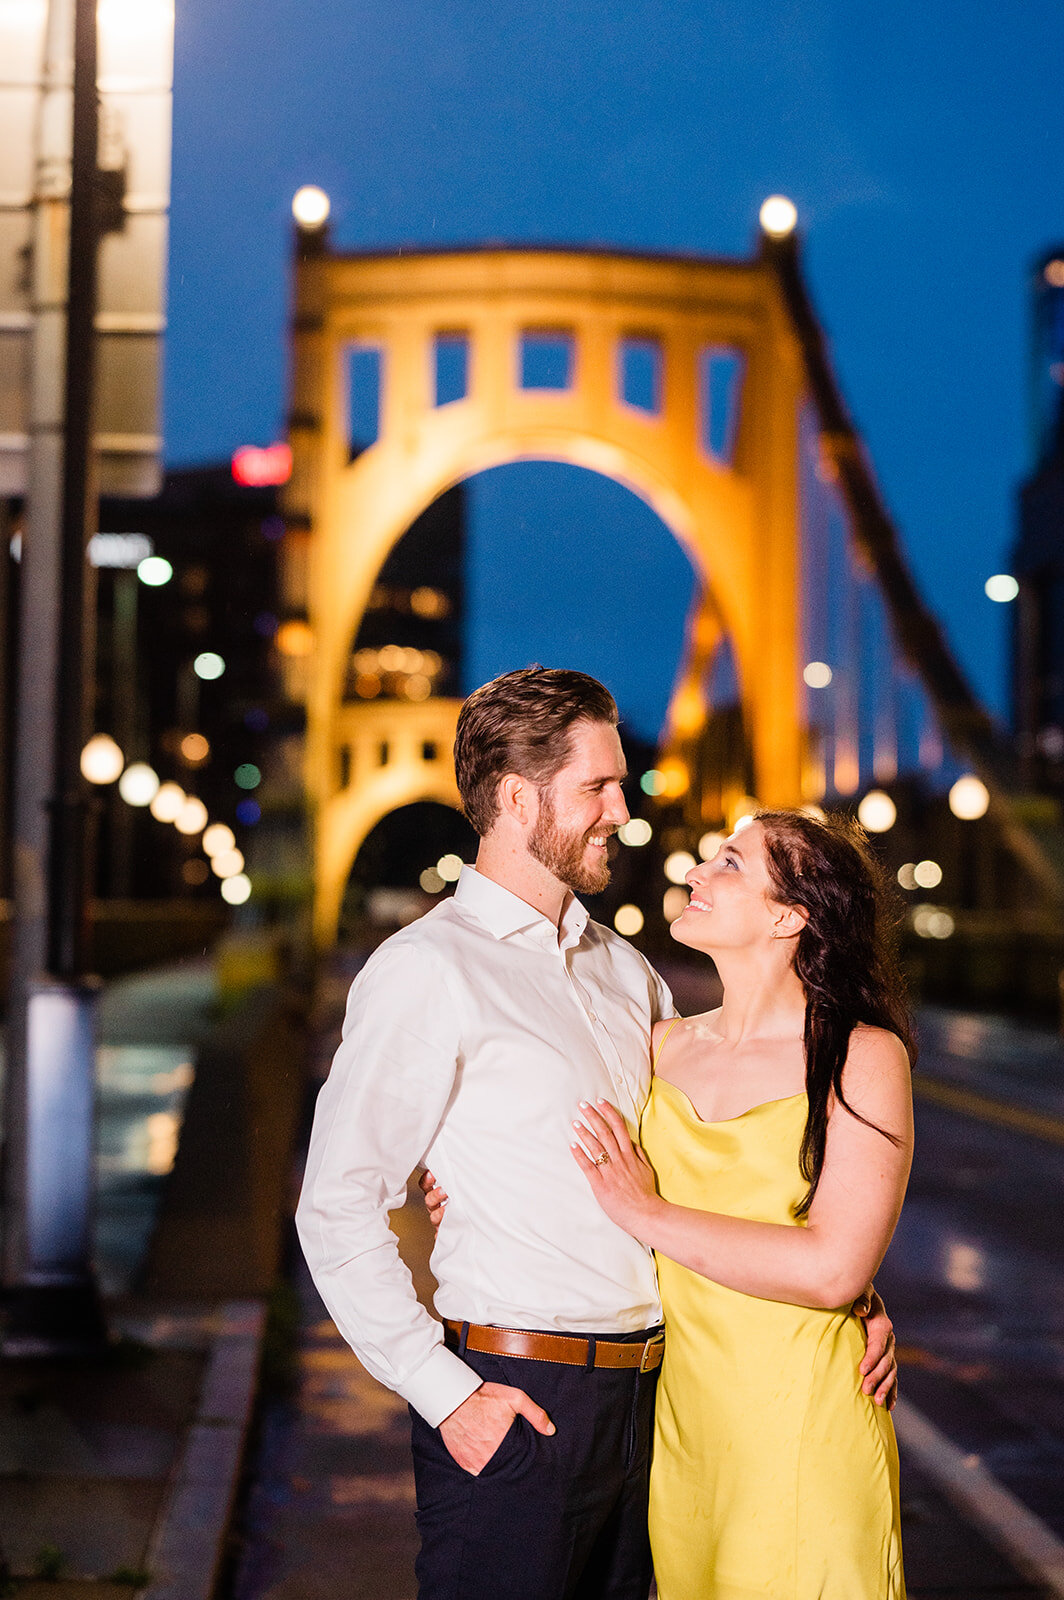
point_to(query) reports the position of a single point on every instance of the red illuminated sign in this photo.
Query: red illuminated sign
(258, 468)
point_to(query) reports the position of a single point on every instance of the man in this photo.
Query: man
(470, 1037)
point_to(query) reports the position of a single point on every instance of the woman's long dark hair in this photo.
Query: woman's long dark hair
(844, 957)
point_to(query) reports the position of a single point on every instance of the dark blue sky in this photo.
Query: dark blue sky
(923, 144)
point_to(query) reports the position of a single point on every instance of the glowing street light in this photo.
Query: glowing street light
(628, 920)
(1001, 587)
(154, 571)
(311, 207)
(636, 831)
(678, 865)
(927, 874)
(101, 759)
(227, 864)
(218, 838)
(208, 665)
(674, 903)
(778, 216)
(877, 812)
(969, 798)
(192, 818)
(167, 803)
(139, 784)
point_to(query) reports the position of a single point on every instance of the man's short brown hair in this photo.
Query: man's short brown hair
(521, 722)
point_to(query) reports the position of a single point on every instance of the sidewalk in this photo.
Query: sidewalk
(117, 1476)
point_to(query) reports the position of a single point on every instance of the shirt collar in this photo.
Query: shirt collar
(504, 913)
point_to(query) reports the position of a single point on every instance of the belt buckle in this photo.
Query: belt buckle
(652, 1344)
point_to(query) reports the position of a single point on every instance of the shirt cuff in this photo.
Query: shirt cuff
(440, 1385)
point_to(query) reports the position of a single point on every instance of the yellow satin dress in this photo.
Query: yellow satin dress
(773, 1477)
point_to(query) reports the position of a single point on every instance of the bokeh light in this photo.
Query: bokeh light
(311, 206)
(449, 868)
(877, 812)
(778, 216)
(817, 674)
(139, 784)
(927, 874)
(167, 802)
(227, 863)
(195, 748)
(678, 865)
(192, 818)
(636, 831)
(237, 889)
(217, 838)
(969, 798)
(628, 920)
(154, 571)
(208, 665)
(674, 903)
(1001, 587)
(101, 760)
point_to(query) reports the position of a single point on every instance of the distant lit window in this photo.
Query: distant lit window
(119, 550)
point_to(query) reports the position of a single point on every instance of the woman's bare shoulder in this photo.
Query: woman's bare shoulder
(877, 1073)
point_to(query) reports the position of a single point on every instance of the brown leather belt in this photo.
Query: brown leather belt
(569, 1350)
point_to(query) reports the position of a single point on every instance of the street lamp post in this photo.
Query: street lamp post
(53, 1303)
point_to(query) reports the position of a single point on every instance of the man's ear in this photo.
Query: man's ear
(790, 922)
(518, 799)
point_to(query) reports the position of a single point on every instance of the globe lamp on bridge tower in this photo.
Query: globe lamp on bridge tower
(310, 208)
(778, 216)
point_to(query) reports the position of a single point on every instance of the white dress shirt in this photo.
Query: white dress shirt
(469, 1039)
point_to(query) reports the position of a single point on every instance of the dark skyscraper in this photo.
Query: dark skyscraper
(1038, 557)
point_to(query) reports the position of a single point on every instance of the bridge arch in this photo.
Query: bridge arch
(735, 515)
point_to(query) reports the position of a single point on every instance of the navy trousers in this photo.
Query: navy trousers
(550, 1517)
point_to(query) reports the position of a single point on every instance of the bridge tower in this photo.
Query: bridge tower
(718, 464)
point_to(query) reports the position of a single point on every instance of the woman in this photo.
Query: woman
(779, 1128)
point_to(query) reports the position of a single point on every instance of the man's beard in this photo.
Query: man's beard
(563, 854)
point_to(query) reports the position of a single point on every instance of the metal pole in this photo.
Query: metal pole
(50, 1094)
(67, 901)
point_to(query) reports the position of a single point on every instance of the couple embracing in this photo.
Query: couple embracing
(579, 1133)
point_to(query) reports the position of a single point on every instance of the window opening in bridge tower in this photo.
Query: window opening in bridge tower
(720, 382)
(430, 750)
(383, 753)
(641, 373)
(451, 351)
(345, 766)
(363, 397)
(546, 358)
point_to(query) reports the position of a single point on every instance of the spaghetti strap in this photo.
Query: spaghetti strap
(656, 1057)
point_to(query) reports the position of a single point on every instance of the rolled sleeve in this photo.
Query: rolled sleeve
(376, 1115)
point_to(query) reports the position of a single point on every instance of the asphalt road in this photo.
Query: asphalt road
(974, 1281)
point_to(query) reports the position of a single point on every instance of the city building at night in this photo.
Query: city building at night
(1038, 557)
